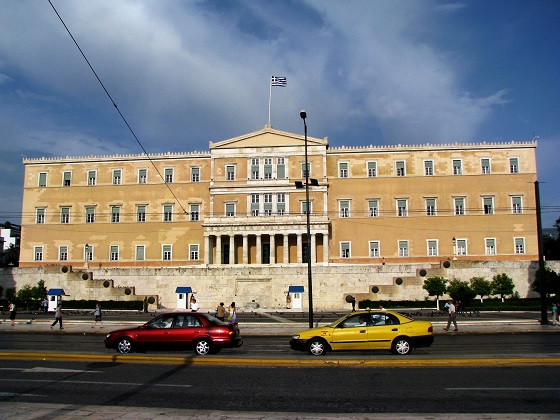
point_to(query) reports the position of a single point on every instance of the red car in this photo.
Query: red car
(177, 331)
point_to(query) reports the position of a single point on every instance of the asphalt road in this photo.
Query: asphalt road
(449, 390)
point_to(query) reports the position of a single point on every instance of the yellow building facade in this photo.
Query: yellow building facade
(237, 205)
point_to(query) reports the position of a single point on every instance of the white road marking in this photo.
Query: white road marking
(503, 389)
(15, 394)
(57, 370)
(59, 381)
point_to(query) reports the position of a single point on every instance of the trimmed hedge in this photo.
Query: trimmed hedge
(532, 304)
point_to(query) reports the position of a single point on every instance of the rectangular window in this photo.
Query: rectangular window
(38, 252)
(400, 168)
(345, 250)
(90, 214)
(88, 252)
(432, 247)
(230, 210)
(267, 168)
(63, 253)
(280, 168)
(66, 178)
(374, 249)
(193, 252)
(485, 165)
(117, 174)
(255, 168)
(428, 167)
(255, 204)
(304, 207)
(488, 203)
(457, 167)
(373, 208)
(459, 206)
(40, 219)
(267, 204)
(42, 179)
(166, 252)
(371, 169)
(115, 214)
(516, 205)
(520, 245)
(513, 166)
(168, 213)
(402, 210)
(431, 206)
(461, 247)
(490, 246)
(344, 208)
(343, 169)
(280, 204)
(403, 248)
(140, 252)
(195, 174)
(142, 176)
(168, 175)
(92, 177)
(230, 173)
(65, 215)
(114, 253)
(141, 213)
(304, 171)
(195, 212)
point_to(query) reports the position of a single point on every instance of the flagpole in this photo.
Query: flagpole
(269, 100)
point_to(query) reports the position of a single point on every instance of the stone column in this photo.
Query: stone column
(245, 249)
(313, 248)
(259, 248)
(206, 250)
(232, 249)
(219, 249)
(299, 248)
(272, 249)
(325, 248)
(286, 249)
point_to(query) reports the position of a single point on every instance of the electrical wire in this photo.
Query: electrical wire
(116, 107)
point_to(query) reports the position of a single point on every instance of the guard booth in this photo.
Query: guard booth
(295, 297)
(183, 296)
(54, 297)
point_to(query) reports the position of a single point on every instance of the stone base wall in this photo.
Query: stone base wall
(265, 286)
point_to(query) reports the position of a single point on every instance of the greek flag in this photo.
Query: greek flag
(278, 81)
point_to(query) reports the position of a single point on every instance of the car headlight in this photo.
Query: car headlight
(295, 337)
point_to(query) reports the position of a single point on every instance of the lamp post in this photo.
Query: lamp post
(87, 256)
(542, 286)
(303, 116)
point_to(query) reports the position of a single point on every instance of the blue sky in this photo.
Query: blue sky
(184, 73)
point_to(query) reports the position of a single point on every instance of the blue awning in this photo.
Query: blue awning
(295, 289)
(183, 289)
(56, 292)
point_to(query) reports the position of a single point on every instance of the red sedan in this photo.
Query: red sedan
(177, 331)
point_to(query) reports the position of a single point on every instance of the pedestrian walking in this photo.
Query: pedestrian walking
(45, 305)
(97, 314)
(452, 317)
(58, 316)
(194, 306)
(13, 312)
(232, 317)
(555, 314)
(221, 312)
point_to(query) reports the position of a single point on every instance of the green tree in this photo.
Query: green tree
(502, 285)
(10, 257)
(481, 287)
(461, 291)
(551, 282)
(25, 295)
(435, 286)
(11, 293)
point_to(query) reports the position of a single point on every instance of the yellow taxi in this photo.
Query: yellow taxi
(366, 330)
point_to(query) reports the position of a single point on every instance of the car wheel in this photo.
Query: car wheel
(317, 346)
(202, 347)
(125, 346)
(401, 346)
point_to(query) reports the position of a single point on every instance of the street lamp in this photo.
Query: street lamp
(303, 116)
(87, 256)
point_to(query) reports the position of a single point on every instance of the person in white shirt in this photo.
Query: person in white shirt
(194, 306)
(452, 317)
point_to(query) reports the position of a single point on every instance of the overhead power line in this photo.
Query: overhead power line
(116, 107)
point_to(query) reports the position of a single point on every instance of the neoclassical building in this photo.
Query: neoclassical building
(234, 213)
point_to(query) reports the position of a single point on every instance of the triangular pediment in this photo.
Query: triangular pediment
(268, 137)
